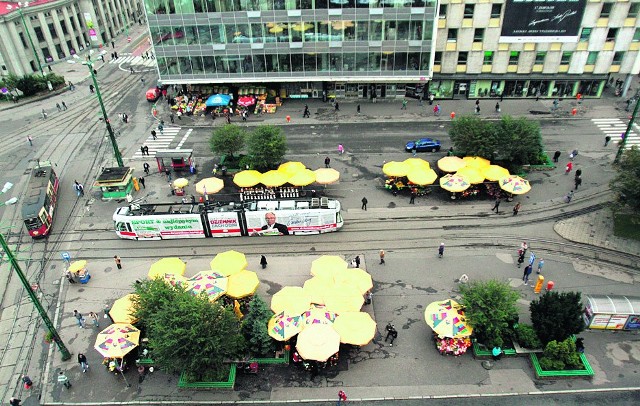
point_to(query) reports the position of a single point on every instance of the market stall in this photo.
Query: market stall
(78, 270)
(115, 183)
(175, 159)
(450, 328)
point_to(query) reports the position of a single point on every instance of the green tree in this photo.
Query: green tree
(227, 140)
(254, 328)
(559, 355)
(556, 316)
(490, 308)
(626, 184)
(188, 333)
(267, 146)
(472, 136)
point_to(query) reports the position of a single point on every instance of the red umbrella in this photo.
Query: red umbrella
(246, 101)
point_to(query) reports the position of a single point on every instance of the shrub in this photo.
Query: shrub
(556, 316)
(561, 355)
(527, 337)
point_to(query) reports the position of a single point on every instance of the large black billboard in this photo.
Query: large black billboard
(542, 20)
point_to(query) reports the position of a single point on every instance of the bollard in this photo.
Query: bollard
(539, 284)
(288, 119)
(550, 286)
(453, 115)
(574, 111)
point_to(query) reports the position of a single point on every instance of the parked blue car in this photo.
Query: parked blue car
(423, 145)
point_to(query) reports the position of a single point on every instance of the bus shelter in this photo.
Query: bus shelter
(176, 159)
(115, 183)
(612, 312)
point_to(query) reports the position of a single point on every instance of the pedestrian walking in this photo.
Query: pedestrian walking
(58, 107)
(573, 154)
(414, 193)
(44, 114)
(358, 109)
(337, 107)
(436, 110)
(142, 149)
(79, 318)
(113, 44)
(91, 89)
(555, 104)
(82, 360)
(94, 319)
(526, 273)
(17, 402)
(27, 382)
(146, 150)
(146, 167)
(578, 182)
(496, 353)
(69, 276)
(161, 126)
(568, 168)
(497, 107)
(154, 134)
(131, 69)
(263, 261)
(327, 162)
(306, 113)
(524, 247)
(141, 181)
(607, 139)
(172, 117)
(392, 334)
(142, 80)
(364, 203)
(578, 172)
(167, 172)
(340, 149)
(356, 260)
(118, 261)
(540, 266)
(62, 379)
(342, 397)
(30, 140)
(496, 205)
(516, 209)
(556, 156)
(79, 188)
(404, 104)
(441, 250)
(381, 253)
(477, 109)
(64, 106)
(520, 257)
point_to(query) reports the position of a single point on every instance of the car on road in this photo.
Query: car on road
(423, 145)
(153, 94)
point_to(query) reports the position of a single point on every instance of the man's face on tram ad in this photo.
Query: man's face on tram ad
(270, 218)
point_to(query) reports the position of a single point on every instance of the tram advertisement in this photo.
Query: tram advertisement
(285, 222)
(168, 226)
(224, 224)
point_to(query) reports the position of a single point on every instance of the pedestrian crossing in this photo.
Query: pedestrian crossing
(162, 141)
(133, 61)
(615, 127)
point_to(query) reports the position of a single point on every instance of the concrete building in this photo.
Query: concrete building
(39, 33)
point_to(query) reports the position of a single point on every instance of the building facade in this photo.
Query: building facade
(37, 34)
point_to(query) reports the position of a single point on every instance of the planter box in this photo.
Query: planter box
(228, 384)
(572, 373)
(282, 360)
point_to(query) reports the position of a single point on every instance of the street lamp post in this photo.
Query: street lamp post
(25, 283)
(24, 24)
(112, 137)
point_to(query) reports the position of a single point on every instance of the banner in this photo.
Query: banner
(542, 20)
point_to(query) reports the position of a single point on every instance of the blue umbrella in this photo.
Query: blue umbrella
(218, 100)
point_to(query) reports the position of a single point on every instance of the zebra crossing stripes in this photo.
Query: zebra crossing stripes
(615, 127)
(133, 61)
(162, 141)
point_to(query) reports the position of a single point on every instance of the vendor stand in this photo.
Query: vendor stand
(78, 270)
(176, 159)
(179, 185)
(115, 183)
(450, 329)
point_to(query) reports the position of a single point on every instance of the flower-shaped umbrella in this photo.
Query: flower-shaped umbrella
(242, 284)
(273, 178)
(303, 178)
(325, 176)
(318, 342)
(247, 178)
(344, 298)
(327, 266)
(357, 277)
(117, 340)
(283, 326)
(451, 164)
(122, 309)
(472, 174)
(212, 283)
(172, 265)
(229, 262)
(180, 182)
(291, 168)
(209, 186)
(417, 163)
(290, 299)
(495, 172)
(318, 315)
(422, 177)
(454, 183)
(514, 185)
(446, 320)
(356, 328)
(315, 288)
(246, 101)
(394, 168)
(173, 279)
(476, 162)
(77, 266)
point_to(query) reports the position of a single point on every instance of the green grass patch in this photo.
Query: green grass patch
(626, 225)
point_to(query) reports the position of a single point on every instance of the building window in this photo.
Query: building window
(478, 35)
(611, 34)
(496, 10)
(452, 35)
(438, 58)
(52, 31)
(514, 57)
(39, 33)
(606, 10)
(462, 58)
(566, 58)
(585, 34)
(540, 58)
(592, 58)
(488, 58)
(468, 10)
(24, 42)
(633, 10)
(636, 35)
(617, 58)
(443, 11)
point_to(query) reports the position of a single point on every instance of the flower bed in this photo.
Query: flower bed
(567, 373)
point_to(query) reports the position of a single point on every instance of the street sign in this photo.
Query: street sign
(65, 256)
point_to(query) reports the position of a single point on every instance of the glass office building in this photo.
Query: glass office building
(351, 48)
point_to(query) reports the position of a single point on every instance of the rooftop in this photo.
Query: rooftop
(7, 7)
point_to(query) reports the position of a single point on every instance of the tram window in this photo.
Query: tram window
(123, 227)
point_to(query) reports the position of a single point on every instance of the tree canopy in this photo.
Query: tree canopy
(626, 184)
(512, 141)
(556, 316)
(227, 140)
(266, 146)
(254, 328)
(490, 308)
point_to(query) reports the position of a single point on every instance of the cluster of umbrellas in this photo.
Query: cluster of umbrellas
(206, 186)
(294, 173)
(325, 311)
(417, 170)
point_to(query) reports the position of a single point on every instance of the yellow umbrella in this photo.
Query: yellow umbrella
(315, 288)
(276, 29)
(514, 185)
(247, 178)
(229, 262)
(325, 176)
(180, 182)
(283, 326)
(495, 172)
(318, 342)
(77, 266)
(356, 328)
(357, 277)
(302, 27)
(328, 266)
(303, 178)
(291, 300)
(394, 168)
(417, 163)
(212, 283)
(344, 298)
(122, 310)
(472, 174)
(291, 168)
(446, 320)
(476, 161)
(117, 340)
(422, 176)
(209, 186)
(172, 265)
(273, 178)
(454, 183)
(242, 284)
(451, 164)
(318, 315)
